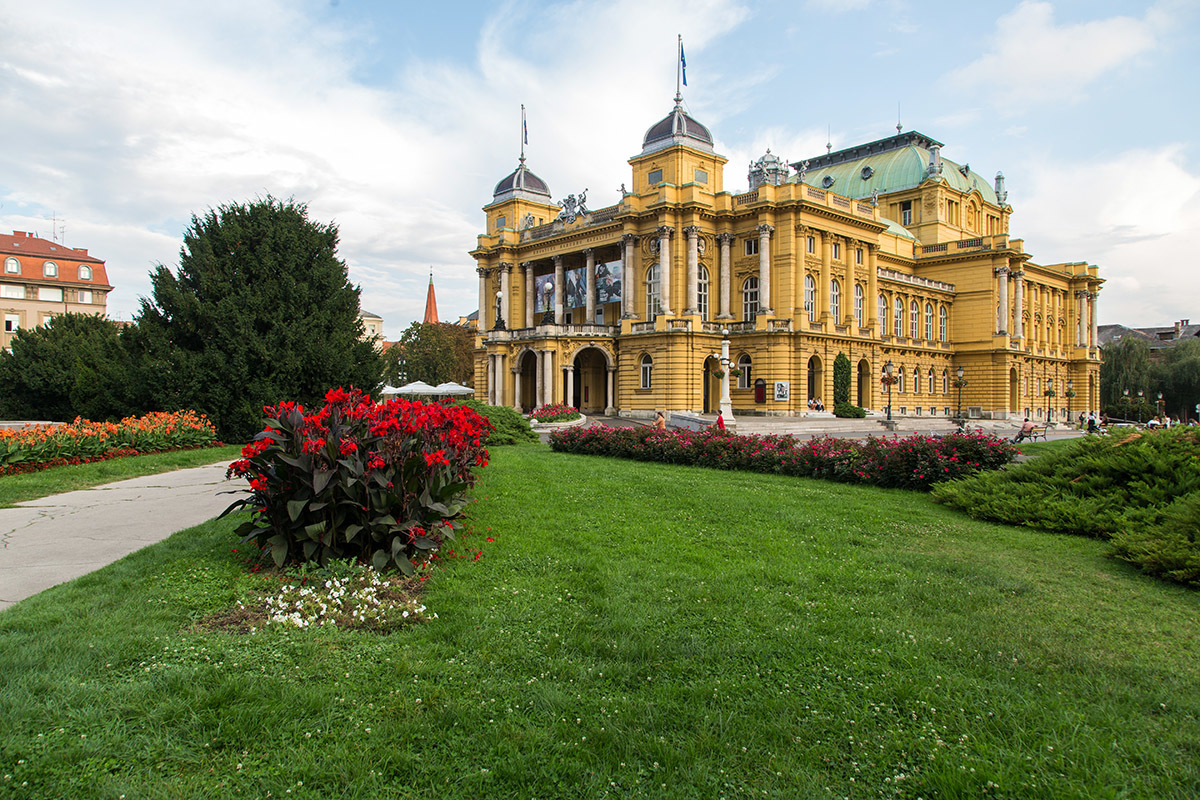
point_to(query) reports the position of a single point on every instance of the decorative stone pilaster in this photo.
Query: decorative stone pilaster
(483, 298)
(665, 232)
(590, 278)
(629, 242)
(726, 241)
(506, 292)
(1095, 319)
(692, 232)
(1019, 310)
(873, 288)
(764, 268)
(1002, 311)
(530, 294)
(559, 291)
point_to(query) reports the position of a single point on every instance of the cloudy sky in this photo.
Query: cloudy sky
(396, 119)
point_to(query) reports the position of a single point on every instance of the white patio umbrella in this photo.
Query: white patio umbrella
(450, 388)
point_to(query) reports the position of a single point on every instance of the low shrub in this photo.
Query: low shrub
(556, 412)
(1141, 491)
(508, 425)
(359, 480)
(40, 446)
(916, 462)
(849, 411)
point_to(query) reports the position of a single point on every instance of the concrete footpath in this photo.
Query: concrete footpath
(55, 539)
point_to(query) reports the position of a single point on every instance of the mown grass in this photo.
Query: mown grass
(32, 485)
(634, 630)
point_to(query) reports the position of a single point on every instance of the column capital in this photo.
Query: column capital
(1082, 293)
(1003, 270)
(483, 272)
(691, 231)
(526, 265)
(629, 238)
(726, 238)
(665, 231)
(1095, 293)
(590, 251)
(765, 229)
(505, 266)
(872, 247)
(1019, 274)
(568, 367)
(557, 261)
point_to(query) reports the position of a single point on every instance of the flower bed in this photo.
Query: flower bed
(916, 462)
(41, 446)
(358, 480)
(557, 412)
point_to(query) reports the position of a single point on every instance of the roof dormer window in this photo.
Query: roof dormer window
(50, 269)
(12, 266)
(85, 272)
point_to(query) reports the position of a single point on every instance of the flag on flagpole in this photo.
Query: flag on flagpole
(524, 126)
(683, 63)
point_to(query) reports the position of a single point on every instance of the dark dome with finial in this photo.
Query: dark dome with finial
(522, 183)
(678, 127)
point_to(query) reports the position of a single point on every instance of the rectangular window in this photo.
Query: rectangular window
(13, 292)
(12, 322)
(701, 176)
(752, 247)
(50, 293)
(837, 249)
(500, 222)
(599, 315)
(85, 296)
(906, 213)
(655, 177)
(858, 256)
(810, 245)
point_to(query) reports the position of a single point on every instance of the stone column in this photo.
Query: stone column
(627, 277)
(1002, 311)
(692, 232)
(764, 269)
(529, 294)
(665, 232)
(848, 290)
(590, 273)
(1019, 300)
(726, 241)
(548, 398)
(559, 291)
(499, 379)
(873, 289)
(1095, 338)
(491, 379)
(539, 377)
(506, 293)
(1080, 294)
(826, 276)
(483, 299)
(610, 404)
(726, 404)
(516, 371)
(569, 374)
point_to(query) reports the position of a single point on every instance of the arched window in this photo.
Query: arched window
(914, 320)
(810, 298)
(929, 322)
(932, 384)
(702, 292)
(859, 302)
(85, 272)
(12, 266)
(750, 299)
(50, 269)
(883, 321)
(835, 301)
(653, 294)
(916, 381)
(898, 306)
(743, 363)
(647, 370)
(900, 380)
(945, 382)
(943, 323)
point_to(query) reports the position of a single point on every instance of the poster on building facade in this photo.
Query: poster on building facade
(543, 300)
(576, 288)
(608, 282)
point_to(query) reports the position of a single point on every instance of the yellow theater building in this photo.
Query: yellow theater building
(887, 252)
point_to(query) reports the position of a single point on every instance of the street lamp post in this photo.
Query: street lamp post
(960, 383)
(1141, 400)
(1159, 407)
(888, 380)
(1070, 394)
(1049, 394)
(1125, 399)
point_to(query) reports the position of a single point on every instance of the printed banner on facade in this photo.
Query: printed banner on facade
(543, 300)
(608, 282)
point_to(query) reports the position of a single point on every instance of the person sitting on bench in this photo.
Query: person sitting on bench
(1025, 431)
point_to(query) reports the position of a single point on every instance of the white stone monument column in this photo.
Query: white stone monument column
(1019, 311)
(610, 399)
(1002, 311)
(627, 279)
(692, 232)
(665, 232)
(483, 299)
(726, 242)
(559, 286)
(764, 269)
(590, 272)
(726, 403)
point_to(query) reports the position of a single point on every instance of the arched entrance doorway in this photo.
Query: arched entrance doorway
(590, 378)
(815, 381)
(527, 381)
(1014, 390)
(863, 387)
(712, 385)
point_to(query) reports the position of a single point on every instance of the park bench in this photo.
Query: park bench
(1038, 431)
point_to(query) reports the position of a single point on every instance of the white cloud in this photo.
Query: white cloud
(1033, 60)
(1137, 215)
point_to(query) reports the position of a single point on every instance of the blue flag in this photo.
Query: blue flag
(683, 63)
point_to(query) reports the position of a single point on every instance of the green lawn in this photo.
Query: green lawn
(32, 485)
(633, 630)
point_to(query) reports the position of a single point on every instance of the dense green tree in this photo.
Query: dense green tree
(841, 379)
(1126, 366)
(434, 352)
(261, 310)
(75, 367)
(1177, 376)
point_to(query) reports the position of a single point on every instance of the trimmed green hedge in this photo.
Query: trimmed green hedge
(508, 426)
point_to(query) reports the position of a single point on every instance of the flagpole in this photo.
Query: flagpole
(523, 134)
(679, 70)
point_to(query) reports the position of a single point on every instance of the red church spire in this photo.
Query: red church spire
(430, 303)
